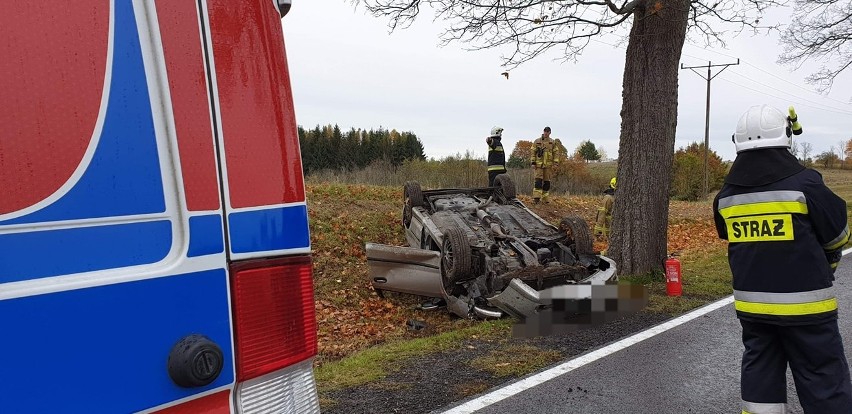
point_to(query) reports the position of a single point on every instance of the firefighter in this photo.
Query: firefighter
(785, 230)
(604, 218)
(496, 156)
(546, 155)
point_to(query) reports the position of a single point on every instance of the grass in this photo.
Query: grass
(706, 277)
(345, 216)
(602, 170)
(515, 360)
(377, 362)
(468, 171)
(839, 181)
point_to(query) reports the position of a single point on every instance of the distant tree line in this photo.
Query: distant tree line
(586, 150)
(327, 147)
(837, 156)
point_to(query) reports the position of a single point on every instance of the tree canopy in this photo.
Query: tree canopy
(588, 151)
(520, 157)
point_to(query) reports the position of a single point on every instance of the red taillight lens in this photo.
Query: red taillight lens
(274, 321)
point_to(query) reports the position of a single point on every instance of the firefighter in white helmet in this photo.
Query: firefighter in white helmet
(496, 155)
(785, 230)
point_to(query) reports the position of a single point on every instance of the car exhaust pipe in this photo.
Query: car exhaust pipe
(491, 224)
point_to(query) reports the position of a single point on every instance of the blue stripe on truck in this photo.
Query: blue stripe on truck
(269, 229)
(205, 235)
(105, 349)
(38, 254)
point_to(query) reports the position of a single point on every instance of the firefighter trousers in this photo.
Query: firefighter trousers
(816, 359)
(492, 174)
(541, 188)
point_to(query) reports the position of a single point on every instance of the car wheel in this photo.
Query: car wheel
(578, 232)
(506, 185)
(455, 257)
(413, 197)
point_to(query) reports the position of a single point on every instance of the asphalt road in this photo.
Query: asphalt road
(691, 368)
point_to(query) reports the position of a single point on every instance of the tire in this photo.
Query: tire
(578, 232)
(412, 197)
(506, 185)
(455, 257)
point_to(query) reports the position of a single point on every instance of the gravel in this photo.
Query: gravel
(430, 382)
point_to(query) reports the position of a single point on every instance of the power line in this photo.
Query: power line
(782, 98)
(768, 73)
(813, 104)
(798, 86)
(707, 114)
(796, 97)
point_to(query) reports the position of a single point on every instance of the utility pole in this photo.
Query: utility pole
(707, 114)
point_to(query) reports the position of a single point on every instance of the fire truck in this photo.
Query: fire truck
(154, 245)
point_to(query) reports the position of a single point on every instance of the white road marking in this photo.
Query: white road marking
(568, 366)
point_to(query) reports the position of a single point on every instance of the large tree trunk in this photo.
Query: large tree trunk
(648, 122)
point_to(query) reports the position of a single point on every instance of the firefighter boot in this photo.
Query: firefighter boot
(545, 192)
(537, 191)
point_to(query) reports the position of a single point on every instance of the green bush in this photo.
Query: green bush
(688, 172)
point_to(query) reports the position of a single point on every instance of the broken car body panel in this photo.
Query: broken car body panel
(405, 269)
(485, 253)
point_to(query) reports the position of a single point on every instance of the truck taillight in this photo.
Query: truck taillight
(274, 320)
(217, 403)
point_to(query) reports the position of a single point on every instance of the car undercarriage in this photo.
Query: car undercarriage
(485, 253)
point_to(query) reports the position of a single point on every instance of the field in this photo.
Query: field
(363, 338)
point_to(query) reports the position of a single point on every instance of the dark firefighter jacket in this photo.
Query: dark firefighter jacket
(785, 229)
(496, 156)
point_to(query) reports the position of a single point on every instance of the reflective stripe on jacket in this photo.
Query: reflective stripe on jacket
(763, 408)
(786, 304)
(496, 155)
(546, 152)
(780, 237)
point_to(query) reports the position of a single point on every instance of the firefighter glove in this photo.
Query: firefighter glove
(834, 258)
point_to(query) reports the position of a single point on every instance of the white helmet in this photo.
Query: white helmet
(496, 131)
(762, 126)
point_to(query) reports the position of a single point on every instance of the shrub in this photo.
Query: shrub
(462, 171)
(688, 172)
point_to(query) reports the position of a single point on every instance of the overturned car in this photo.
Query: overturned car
(485, 253)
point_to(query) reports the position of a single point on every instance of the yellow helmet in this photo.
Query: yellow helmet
(612, 183)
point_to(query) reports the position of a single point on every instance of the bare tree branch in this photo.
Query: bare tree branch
(820, 30)
(532, 27)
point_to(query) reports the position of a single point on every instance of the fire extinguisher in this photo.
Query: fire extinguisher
(674, 281)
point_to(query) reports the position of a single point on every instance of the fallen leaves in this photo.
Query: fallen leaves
(351, 316)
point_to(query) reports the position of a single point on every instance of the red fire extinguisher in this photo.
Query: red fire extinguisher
(674, 285)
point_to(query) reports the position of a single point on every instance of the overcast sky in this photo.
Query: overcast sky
(347, 69)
